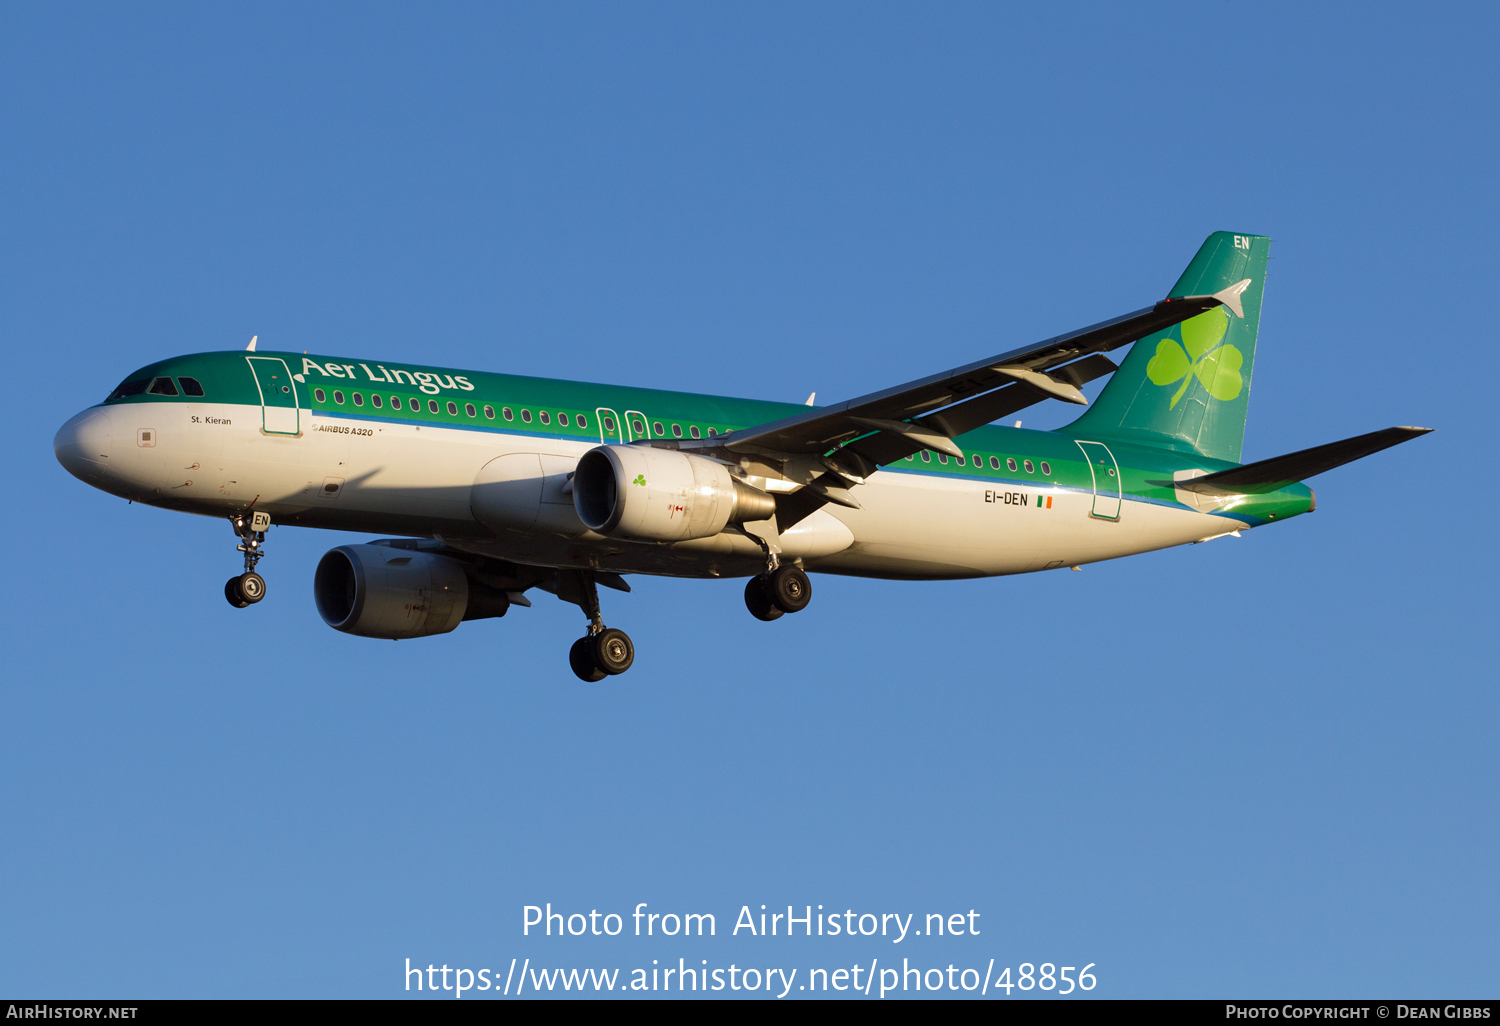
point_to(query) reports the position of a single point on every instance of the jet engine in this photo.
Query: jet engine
(664, 495)
(377, 591)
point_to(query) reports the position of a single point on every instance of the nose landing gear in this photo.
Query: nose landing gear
(604, 651)
(785, 589)
(249, 587)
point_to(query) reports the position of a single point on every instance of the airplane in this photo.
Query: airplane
(496, 484)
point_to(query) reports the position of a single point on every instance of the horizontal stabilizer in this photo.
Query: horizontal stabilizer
(1280, 471)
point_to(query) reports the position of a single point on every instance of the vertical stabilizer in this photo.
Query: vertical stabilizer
(1188, 388)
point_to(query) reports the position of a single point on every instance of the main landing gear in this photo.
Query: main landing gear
(249, 587)
(603, 651)
(785, 589)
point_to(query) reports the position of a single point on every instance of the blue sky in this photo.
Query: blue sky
(1263, 766)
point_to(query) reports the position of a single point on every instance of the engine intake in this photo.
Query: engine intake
(380, 592)
(649, 494)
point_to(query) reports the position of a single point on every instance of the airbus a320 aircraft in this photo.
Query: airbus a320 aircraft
(498, 484)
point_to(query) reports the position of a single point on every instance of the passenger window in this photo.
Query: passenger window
(942, 458)
(609, 424)
(319, 396)
(469, 409)
(994, 462)
(359, 400)
(583, 421)
(489, 413)
(545, 419)
(505, 412)
(375, 399)
(694, 431)
(453, 409)
(656, 428)
(926, 456)
(432, 406)
(338, 397)
(1028, 467)
(416, 405)
(638, 427)
(562, 418)
(1046, 468)
(677, 430)
(129, 389)
(162, 386)
(190, 386)
(526, 416)
(978, 461)
(1010, 464)
(711, 432)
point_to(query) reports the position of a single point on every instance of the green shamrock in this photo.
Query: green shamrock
(640, 479)
(1216, 366)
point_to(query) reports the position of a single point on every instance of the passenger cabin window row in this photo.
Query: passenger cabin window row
(578, 420)
(994, 462)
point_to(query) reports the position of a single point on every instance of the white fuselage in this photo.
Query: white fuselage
(505, 495)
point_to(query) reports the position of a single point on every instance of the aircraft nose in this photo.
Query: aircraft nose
(83, 445)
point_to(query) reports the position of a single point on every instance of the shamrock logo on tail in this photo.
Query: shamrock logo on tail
(640, 479)
(1200, 355)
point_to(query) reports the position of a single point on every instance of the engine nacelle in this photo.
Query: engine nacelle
(380, 592)
(664, 495)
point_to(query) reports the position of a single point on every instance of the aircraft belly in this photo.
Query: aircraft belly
(360, 474)
(928, 527)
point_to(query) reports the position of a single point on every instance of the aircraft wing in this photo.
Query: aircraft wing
(927, 413)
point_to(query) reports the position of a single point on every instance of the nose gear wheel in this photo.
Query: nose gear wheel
(249, 587)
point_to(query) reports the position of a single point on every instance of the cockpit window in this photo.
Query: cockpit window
(190, 386)
(162, 386)
(128, 389)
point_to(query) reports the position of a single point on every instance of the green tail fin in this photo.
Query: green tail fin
(1188, 388)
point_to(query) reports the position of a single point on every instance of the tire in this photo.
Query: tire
(581, 659)
(613, 652)
(759, 602)
(232, 593)
(252, 587)
(789, 589)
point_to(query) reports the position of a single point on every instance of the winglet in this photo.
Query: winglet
(251, 347)
(810, 397)
(1230, 297)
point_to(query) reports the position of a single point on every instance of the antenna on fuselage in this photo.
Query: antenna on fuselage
(251, 347)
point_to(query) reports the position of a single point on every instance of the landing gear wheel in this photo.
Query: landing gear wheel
(252, 587)
(759, 602)
(789, 589)
(613, 652)
(581, 658)
(232, 593)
